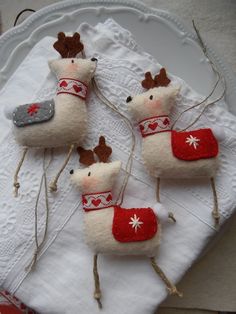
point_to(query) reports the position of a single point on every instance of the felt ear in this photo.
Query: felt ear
(174, 91)
(102, 150)
(116, 166)
(52, 65)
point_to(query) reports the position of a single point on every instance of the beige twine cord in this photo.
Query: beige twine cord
(33, 262)
(215, 212)
(97, 292)
(53, 184)
(220, 78)
(170, 286)
(129, 163)
(170, 214)
(16, 184)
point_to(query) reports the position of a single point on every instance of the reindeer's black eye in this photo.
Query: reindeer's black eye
(72, 171)
(94, 59)
(72, 61)
(151, 97)
(128, 99)
(89, 174)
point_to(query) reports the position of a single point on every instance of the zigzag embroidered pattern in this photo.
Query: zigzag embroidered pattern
(154, 125)
(97, 200)
(73, 87)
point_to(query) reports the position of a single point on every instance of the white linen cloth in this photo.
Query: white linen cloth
(63, 280)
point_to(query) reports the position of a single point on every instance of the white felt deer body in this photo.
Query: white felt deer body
(168, 153)
(61, 121)
(109, 228)
(69, 123)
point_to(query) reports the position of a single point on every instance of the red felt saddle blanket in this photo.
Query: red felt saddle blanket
(9, 304)
(194, 145)
(134, 224)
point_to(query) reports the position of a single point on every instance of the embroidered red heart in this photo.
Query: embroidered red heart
(96, 202)
(77, 88)
(22, 306)
(141, 127)
(166, 121)
(84, 200)
(153, 125)
(109, 198)
(63, 84)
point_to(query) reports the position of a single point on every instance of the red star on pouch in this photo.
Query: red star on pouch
(33, 109)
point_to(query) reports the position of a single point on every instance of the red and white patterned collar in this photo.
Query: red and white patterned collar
(154, 125)
(10, 304)
(95, 201)
(72, 87)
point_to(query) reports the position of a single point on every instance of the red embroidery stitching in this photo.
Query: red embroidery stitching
(33, 109)
(154, 125)
(95, 201)
(11, 304)
(72, 87)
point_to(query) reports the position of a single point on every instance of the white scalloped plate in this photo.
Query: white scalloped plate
(161, 33)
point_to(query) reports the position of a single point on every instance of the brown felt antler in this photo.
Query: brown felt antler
(86, 156)
(102, 150)
(68, 46)
(160, 79)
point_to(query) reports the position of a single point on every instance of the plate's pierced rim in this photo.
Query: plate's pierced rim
(50, 10)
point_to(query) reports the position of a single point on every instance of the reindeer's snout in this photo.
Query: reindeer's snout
(94, 59)
(129, 98)
(71, 171)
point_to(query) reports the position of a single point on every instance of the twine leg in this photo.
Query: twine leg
(215, 212)
(170, 214)
(158, 190)
(53, 184)
(97, 291)
(38, 245)
(16, 184)
(169, 285)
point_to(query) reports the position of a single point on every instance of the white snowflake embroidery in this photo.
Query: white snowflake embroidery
(135, 222)
(192, 140)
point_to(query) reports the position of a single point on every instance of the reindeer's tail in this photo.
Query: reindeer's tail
(162, 213)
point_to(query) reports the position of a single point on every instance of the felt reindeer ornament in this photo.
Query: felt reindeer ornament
(109, 228)
(168, 153)
(61, 121)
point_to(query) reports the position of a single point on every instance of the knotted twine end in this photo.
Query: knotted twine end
(16, 184)
(53, 186)
(171, 216)
(171, 288)
(97, 297)
(16, 188)
(174, 291)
